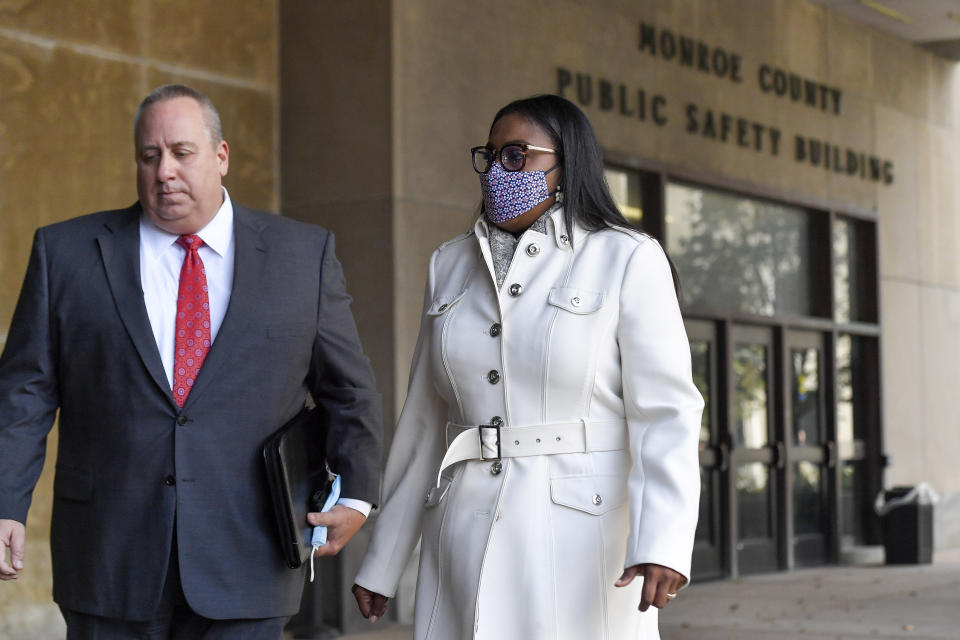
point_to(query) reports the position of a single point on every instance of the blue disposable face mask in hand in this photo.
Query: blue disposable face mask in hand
(320, 532)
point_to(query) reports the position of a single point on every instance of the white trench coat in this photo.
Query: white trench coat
(583, 356)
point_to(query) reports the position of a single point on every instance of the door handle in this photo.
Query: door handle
(830, 454)
(779, 451)
(722, 451)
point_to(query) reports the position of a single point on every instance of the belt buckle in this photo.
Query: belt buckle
(480, 432)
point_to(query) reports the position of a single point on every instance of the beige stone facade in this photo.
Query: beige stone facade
(359, 116)
(71, 76)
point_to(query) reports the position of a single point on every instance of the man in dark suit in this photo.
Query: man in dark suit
(174, 337)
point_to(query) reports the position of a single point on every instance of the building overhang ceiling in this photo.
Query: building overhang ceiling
(932, 24)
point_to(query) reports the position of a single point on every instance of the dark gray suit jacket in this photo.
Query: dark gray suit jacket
(131, 465)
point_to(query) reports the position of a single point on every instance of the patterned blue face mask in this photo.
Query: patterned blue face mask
(508, 194)
(320, 532)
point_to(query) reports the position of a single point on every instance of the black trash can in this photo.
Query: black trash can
(908, 530)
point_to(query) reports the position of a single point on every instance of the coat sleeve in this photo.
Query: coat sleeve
(415, 456)
(28, 389)
(663, 409)
(341, 382)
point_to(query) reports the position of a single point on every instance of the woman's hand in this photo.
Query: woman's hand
(658, 583)
(372, 605)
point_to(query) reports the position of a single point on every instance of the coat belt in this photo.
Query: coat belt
(492, 442)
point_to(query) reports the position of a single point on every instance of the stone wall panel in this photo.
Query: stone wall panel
(72, 75)
(898, 204)
(66, 125)
(904, 412)
(901, 74)
(110, 25)
(939, 434)
(235, 39)
(849, 55)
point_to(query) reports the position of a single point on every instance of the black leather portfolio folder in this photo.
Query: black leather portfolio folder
(299, 480)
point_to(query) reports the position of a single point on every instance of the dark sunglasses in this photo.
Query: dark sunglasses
(513, 156)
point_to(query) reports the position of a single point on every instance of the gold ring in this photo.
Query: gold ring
(671, 596)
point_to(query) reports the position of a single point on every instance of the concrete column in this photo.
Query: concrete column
(335, 167)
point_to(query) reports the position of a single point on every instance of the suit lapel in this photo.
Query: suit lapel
(249, 259)
(120, 251)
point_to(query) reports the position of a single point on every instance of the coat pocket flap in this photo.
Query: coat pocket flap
(591, 494)
(442, 304)
(576, 300)
(72, 484)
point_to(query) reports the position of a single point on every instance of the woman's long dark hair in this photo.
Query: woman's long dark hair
(586, 195)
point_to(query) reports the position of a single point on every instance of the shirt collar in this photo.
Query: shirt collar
(218, 234)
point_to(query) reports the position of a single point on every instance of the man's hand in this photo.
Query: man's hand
(341, 523)
(372, 605)
(13, 535)
(658, 581)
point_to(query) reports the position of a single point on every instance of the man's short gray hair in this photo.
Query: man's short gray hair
(165, 92)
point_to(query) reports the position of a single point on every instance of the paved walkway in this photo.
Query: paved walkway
(834, 603)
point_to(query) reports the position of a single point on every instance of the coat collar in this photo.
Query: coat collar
(556, 228)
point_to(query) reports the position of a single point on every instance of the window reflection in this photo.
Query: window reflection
(856, 416)
(842, 270)
(750, 383)
(737, 254)
(700, 356)
(753, 501)
(805, 387)
(855, 504)
(844, 390)
(625, 189)
(807, 504)
(851, 242)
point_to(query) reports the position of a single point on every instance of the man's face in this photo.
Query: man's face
(179, 167)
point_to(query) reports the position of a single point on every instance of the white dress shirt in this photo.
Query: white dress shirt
(161, 259)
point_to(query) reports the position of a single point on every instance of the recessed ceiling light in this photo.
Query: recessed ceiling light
(887, 11)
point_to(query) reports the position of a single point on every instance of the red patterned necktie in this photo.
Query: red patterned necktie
(193, 320)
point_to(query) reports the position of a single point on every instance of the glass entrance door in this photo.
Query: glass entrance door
(810, 453)
(756, 456)
(708, 548)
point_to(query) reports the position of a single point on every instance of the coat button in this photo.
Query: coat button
(575, 301)
(597, 500)
(496, 421)
(169, 481)
(516, 289)
(495, 329)
(496, 467)
(533, 249)
(181, 420)
(442, 308)
(564, 239)
(493, 377)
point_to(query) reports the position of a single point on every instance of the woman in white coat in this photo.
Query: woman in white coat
(547, 449)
